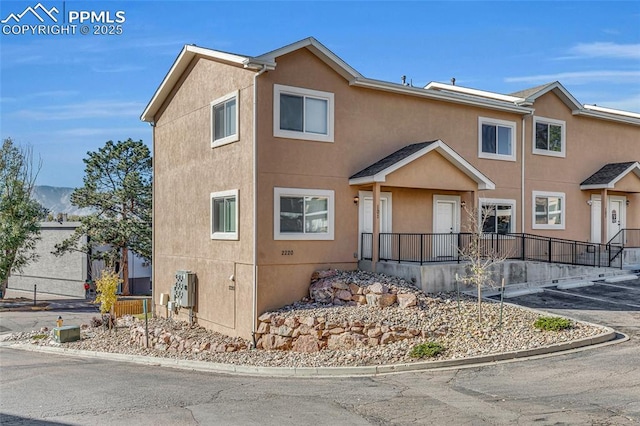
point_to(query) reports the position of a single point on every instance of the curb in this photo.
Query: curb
(610, 336)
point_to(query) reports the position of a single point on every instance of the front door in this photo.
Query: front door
(596, 222)
(446, 224)
(366, 219)
(616, 218)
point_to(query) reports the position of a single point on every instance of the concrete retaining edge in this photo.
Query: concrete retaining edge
(605, 338)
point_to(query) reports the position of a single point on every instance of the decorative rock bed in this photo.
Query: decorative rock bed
(347, 324)
(314, 333)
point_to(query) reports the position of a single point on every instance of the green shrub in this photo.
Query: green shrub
(552, 323)
(428, 349)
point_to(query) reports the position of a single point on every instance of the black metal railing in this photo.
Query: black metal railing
(455, 247)
(627, 237)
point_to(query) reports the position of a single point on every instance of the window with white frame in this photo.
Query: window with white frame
(303, 214)
(498, 215)
(549, 137)
(496, 139)
(548, 210)
(224, 120)
(302, 113)
(224, 215)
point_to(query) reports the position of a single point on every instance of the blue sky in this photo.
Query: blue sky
(68, 94)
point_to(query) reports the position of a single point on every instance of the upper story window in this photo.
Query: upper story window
(224, 215)
(549, 137)
(498, 215)
(224, 120)
(302, 113)
(548, 210)
(303, 214)
(496, 139)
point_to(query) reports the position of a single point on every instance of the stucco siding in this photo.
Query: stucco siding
(186, 171)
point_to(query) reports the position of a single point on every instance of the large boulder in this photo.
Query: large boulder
(321, 291)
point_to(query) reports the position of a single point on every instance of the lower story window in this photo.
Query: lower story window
(224, 215)
(498, 216)
(549, 210)
(303, 214)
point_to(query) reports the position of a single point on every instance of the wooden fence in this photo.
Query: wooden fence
(130, 307)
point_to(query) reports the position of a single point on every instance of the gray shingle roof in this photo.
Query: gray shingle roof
(391, 159)
(607, 173)
(528, 92)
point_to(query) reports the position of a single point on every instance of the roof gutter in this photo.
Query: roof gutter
(436, 95)
(604, 116)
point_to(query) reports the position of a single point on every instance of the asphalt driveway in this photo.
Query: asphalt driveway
(615, 304)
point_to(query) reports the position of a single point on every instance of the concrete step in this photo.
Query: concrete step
(621, 278)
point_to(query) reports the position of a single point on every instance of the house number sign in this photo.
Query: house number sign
(287, 252)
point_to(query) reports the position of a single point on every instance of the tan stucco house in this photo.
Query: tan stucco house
(267, 168)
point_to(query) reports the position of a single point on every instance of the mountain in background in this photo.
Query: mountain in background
(57, 200)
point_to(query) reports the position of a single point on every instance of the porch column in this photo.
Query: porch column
(604, 222)
(375, 248)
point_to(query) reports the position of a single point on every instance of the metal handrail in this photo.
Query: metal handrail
(446, 247)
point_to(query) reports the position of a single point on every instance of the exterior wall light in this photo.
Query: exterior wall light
(356, 199)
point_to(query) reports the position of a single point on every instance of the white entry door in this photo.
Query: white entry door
(616, 218)
(596, 221)
(366, 218)
(446, 220)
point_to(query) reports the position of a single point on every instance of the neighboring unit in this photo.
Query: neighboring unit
(267, 168)
(66, 274)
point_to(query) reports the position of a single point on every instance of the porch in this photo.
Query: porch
(431, 260)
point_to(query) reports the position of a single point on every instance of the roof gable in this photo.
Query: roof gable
(530, 95)
(315, 47)
(378, 171)
(610, 174)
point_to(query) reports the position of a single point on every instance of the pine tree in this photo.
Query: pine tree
(117, 188)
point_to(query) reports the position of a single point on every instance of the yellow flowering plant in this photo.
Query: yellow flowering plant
(106, 286)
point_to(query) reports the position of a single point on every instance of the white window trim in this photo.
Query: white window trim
(231, 138)
(224, 235)
(300, 192)
(545, 194)
(499, 201)
(502, 123)
(298, 91)
(563, 137)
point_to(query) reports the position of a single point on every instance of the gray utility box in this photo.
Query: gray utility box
(183, 292)
(68, 333)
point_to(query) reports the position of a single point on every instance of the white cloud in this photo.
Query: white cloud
(90, 109)
(605, 50)
(579, 77)
(116, 69)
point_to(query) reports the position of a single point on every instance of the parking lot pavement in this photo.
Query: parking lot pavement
(18, 315)
(616, 305)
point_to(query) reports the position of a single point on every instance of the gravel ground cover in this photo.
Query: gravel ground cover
(443, 318)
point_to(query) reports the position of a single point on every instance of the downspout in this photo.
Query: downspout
(522, 152)
(522, 176)
(254, 319)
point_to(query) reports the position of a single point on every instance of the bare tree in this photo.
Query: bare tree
(481, 255)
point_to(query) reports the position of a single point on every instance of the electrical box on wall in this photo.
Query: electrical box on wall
(183, 292)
